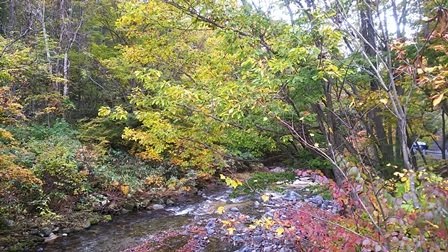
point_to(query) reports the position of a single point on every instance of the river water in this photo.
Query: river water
(130, 230)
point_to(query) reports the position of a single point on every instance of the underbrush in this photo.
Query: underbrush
(47, 175)
(373, 216)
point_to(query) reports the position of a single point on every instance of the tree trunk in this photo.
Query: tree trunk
(45, 34)
(368, 33)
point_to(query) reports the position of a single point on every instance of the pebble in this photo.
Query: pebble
(234, 209)
(258, 239)
(51, 237)
(277, 170)
(268, 249)
(210, 224)
(158, 207)
(46, 231)
(292, 196)
(318, 200)
(210, 231)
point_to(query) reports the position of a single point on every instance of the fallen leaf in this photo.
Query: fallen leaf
(280, 231)
(265, 198)
(221, 210)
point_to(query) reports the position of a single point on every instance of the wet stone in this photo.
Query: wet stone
(318, 200)
(292, 196)
(268, 249)
(51, 237)
(268, 215)
(66, 230)
(258, 239)
(210, 231)
(157, 207)
(234, 209)
(46, 231)
(210, 224)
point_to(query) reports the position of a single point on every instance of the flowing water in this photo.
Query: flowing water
(130, 230)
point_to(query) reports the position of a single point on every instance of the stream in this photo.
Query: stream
(129, 230)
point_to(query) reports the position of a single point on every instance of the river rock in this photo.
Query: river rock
(292, 196)
(268, 215)
(46, 231)
(268, 249)
(210, 224)
(210, 231)
(258, 239)
(318, 200)
(169, 202)
(278, 170)
(66, 230)
(158, 206)
(256, 204)
(234, 209)
(51, 237)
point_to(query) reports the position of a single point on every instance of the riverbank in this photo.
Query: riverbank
(33, 234)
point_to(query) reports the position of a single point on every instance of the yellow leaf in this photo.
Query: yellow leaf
(429, 69)
(221, 210)
(252, 226)
(383, 101)
(231, 230)
(280, 231)
(438, 99)
(222, 177)
(124, 189)
(265, 198)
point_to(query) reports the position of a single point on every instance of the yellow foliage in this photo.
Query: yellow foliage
(124, 189)
(280, 231)
(265, 197)
(221, 210)
(154, 180)
(234, 183)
